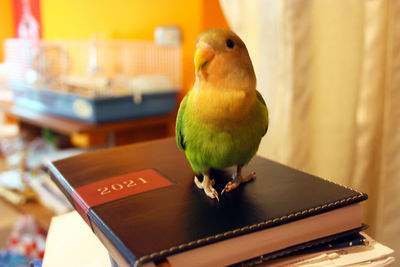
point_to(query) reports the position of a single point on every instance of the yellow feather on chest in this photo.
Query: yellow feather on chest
(216, 106)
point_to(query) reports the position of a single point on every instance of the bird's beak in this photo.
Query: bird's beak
(204, 53)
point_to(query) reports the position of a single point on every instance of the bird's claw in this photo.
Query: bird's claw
(198, 183)
(230, 186)
(207, 187)
(211, 193)
(237, 180)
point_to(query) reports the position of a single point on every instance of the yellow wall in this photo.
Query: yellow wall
(6, 23)
(131, 19)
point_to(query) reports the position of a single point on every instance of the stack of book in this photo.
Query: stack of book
(141, 202)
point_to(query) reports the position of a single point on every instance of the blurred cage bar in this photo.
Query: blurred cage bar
(74, 78)
(94, 67)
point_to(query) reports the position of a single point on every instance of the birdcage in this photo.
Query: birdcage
(94, 80)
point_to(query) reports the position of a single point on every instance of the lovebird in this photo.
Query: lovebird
(221, 120)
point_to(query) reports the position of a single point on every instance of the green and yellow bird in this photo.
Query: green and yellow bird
(222, 119)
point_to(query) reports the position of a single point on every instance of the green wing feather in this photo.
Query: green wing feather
(261, 99)
(179, 123)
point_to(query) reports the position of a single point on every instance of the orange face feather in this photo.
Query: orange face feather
(225, 81)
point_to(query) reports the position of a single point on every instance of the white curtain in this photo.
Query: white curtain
(330, 73)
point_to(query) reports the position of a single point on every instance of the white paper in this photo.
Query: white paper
(373, 254)
(70, 242)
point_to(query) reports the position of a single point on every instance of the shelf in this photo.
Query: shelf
(69, 126)
(82, 134)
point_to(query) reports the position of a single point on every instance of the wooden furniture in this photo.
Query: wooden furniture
(87, 135)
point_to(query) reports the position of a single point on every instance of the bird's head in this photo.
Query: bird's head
(221, 61)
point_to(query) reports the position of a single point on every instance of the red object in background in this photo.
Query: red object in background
(27, 22)
(26, 238)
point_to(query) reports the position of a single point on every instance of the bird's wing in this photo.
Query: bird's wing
(179, 123)
(261, 99)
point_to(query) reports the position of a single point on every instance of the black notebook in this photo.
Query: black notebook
(141, 201)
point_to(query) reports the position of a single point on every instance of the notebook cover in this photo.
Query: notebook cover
(169, 214)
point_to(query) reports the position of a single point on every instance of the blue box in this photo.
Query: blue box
(93, 110)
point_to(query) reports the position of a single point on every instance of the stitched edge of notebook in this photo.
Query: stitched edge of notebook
(262, 258)
(246, 228)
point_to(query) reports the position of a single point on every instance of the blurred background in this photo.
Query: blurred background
(83, 75)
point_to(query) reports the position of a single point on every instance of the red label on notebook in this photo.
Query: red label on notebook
(88, 196)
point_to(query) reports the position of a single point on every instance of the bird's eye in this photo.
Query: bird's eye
(230, 44)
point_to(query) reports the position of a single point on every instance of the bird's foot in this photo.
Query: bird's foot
(207, 186)
(237, 180)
